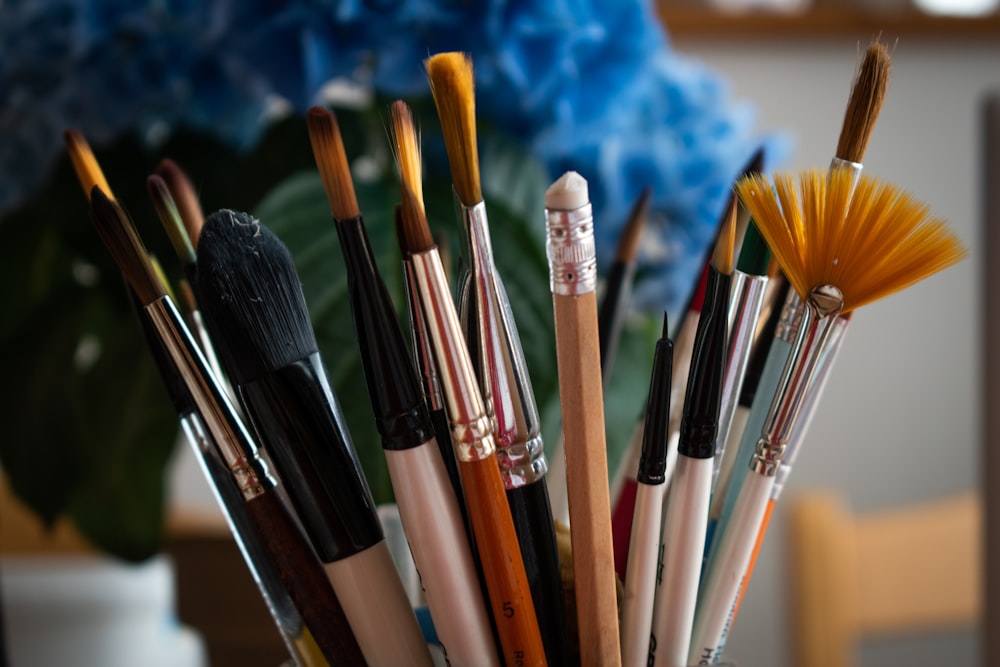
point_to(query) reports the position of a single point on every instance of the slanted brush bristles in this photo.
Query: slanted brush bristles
(119, 235)
(453, 88)
(869, 244)
(331, 160)
(865, 102)
(88, 171)
(415, 233)
(722, 256)
(170, 217)
(185, 198)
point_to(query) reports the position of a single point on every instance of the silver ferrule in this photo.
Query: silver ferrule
(471, 433)
(230, 436)
(500, 366)
(747, 295)
(423, 351)
(791, 317)
(854, 167)
(822, 308)
(571, 250)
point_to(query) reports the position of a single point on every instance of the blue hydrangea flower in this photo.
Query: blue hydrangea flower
(559, 75)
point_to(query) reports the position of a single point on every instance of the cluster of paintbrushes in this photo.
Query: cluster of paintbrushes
(457, 416)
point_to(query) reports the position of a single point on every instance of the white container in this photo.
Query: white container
(94, 611)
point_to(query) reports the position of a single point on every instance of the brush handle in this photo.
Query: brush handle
(436, 533)
(725, 578)
(302, 575)
(640, 580)
(506, 576)
(614, 307)
(623, 492)
(529, 508)
(684, 541)
(582, 400)
(375, 603)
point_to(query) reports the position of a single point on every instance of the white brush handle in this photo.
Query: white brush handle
(377, 609)
(725, 577)
(556, 482)
(433, 525)
(684, 540)
(640, 575)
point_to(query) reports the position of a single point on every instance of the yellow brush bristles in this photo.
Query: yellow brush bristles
(406, 148)
(869, 240)
(88, 171)
(453, 89)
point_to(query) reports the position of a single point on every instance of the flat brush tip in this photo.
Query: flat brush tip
(453, 88)
(331, 161)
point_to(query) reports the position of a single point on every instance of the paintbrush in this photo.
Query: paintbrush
(690, 489)
(498, 359)
(254, 308)
(471, 432)
(644, 547)
(843, 243)
(277, 529)
(427, 504)
(863, 107)
(185, 199)
(177, 231)
(571, 252)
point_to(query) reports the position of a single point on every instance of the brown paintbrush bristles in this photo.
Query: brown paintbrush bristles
(416, 234)
(88, 171)
(119, 235)
(722, 256)
(185, 198)
(331, 160)
(453, 88)
(865, 102)
(869, 244)
(628, 244)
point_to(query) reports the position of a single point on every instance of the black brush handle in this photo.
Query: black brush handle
(532, 514)
(303, 577)
(611, 314)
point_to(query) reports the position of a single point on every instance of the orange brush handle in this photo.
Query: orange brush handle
(503, 568)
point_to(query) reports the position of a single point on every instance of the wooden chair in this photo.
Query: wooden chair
(887, 573)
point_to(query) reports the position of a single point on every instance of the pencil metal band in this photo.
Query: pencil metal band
(234, 443)
(571, 250)
(471, 434)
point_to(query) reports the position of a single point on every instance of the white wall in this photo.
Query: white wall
(900, 418)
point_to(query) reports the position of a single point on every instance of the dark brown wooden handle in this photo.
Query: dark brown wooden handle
(305, 580)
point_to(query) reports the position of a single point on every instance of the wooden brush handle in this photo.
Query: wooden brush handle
(503, 568)
(302, 575)
(582, 400)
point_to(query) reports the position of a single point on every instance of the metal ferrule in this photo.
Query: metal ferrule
(423, 350)
(854, 167)
(234, 443)
(791, 317)
(822, 308)
(471, 434)
(499, 360)
(571, 250)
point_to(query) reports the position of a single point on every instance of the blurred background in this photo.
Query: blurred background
(901, 419)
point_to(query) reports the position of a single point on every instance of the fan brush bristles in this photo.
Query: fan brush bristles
(869, 240)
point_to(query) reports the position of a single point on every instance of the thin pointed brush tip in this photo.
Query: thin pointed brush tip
(666, 326)
(865, 102)
(331, 161)
(628, 244)
(166, 210)
(88, 170)
(185, 198)
(413, 230)
(119, 235)
(453, 88)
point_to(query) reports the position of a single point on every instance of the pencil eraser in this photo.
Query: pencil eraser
(568, 193)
